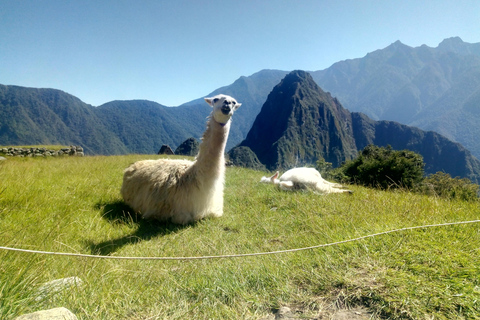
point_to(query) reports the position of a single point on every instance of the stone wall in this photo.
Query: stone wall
(42, 152)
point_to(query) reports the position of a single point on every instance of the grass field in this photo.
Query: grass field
(73, 205)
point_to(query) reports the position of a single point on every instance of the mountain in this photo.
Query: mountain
(436, 89)
(144, 126)
(48, 116)
(299, 123)
(252, 92)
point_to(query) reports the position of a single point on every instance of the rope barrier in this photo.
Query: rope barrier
(241, 254)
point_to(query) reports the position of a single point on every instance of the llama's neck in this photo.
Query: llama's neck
(212, 149)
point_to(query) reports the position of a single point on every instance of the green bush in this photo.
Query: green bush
(441, 184)
(329, 173)
(384, 168)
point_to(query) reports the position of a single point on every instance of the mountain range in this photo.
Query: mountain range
(300, 123)
(436, 89)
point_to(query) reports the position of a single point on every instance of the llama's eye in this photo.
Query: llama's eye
(234, 103)
(215, 100)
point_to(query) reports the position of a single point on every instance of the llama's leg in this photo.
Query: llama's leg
(286, 185)
(327, 188)
(183, 218)
(216, 209)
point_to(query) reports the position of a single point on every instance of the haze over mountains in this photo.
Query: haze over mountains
(435, 89)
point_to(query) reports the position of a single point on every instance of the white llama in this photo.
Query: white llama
(184, 191)
(304, 178)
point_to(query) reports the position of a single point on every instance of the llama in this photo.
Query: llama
(184, 191)
(304, 178)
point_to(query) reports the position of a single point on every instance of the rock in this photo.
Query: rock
(165, 149)
(40, 152)
(244, 157)
(3, 158)
(56, 286)
(51, 314)
(284, 313)
(188, 147)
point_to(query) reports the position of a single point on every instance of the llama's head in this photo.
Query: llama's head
(223, 107)
(273, 179)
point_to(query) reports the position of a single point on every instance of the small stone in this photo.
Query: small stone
(284, 313)
(51, 314)
(57, 286)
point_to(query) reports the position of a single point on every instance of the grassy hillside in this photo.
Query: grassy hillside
(73, 205)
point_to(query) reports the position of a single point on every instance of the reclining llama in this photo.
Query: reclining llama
(184, 191)
(304, 178)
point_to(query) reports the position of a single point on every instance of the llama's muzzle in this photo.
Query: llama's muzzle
(226, 109)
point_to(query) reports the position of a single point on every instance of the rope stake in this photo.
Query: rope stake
(237, 255)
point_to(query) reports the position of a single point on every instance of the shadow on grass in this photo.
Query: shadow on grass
(118, 213)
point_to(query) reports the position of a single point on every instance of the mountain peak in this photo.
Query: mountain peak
(299, 122)
(452, 41)
(398, 45)
(298, 75)
(300, 84)
(455, 45)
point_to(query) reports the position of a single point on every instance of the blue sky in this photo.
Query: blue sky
(174, 51)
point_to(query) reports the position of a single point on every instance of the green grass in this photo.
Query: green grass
(73, 205)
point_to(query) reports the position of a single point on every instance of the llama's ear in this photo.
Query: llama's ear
(275, 176)
(209, 101)
(237, 105)
(272, 178)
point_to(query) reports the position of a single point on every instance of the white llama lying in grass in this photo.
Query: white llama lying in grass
(304, 178)
(184, 191)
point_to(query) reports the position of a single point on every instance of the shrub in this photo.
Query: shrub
(441, 184)
(329, 173)
(323, 167)
(383, 167)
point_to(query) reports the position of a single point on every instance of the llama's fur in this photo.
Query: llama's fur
(304, 178)
(184, 191)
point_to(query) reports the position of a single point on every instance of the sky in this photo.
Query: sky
(175, 51)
